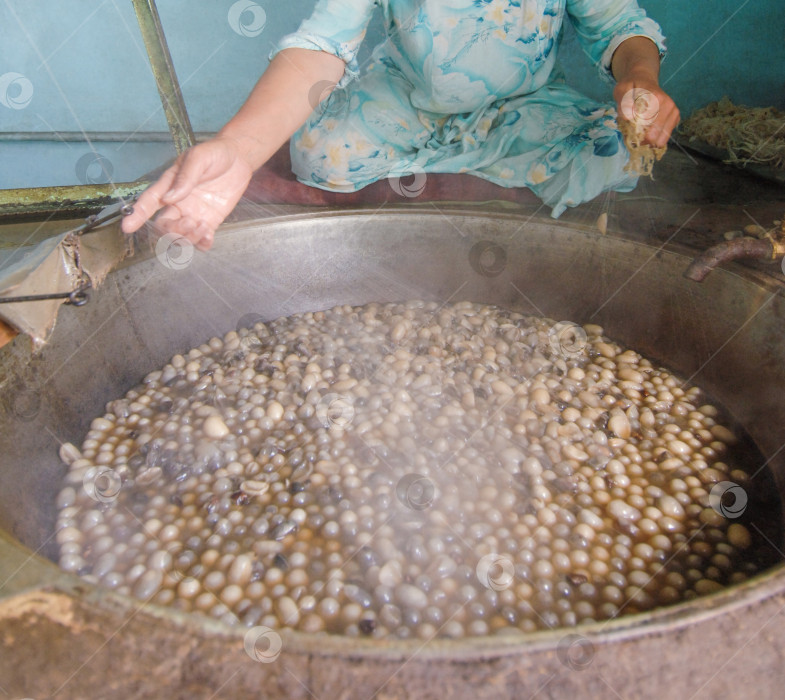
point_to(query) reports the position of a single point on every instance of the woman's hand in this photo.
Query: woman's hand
(636, 66)
(196, 193)
(203, 186)
(641, 100)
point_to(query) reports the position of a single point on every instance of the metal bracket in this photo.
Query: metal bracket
(78, 296)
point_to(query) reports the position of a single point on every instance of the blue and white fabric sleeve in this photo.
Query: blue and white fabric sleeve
(601, 25)
(336, 27)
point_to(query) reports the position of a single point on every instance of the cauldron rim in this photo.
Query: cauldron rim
(660, 620)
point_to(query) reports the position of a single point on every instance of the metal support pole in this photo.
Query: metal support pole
(164, 74)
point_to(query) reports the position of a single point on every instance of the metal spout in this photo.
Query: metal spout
(737, 249)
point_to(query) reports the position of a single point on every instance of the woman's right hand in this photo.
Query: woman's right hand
(203, 186)
(196, 193)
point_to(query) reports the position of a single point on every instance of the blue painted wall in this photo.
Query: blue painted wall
(715, 48)
(81, 65)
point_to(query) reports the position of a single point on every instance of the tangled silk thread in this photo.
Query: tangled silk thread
(748, 134)
(642, 155)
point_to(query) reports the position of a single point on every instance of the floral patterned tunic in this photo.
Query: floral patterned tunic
(467, 86)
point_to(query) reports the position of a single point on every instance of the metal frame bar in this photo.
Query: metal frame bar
(164, 73)
(95, 136)
(62, 202)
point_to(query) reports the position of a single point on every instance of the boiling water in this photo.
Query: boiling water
(414, 470)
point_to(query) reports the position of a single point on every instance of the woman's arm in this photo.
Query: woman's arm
(627, 45)
(636, 67)
(205, 183)
(281, 102)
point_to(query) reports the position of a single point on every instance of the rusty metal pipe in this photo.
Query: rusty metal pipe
(737, 249)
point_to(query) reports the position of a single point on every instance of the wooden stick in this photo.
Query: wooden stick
(7, 334)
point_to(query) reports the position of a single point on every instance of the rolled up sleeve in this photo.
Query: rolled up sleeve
(601, 25)
(336, 27)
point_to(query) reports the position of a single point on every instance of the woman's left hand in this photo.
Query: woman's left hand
(641, 100)
(636, 67)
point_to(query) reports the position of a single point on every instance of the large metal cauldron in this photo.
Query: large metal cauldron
(61, 637)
